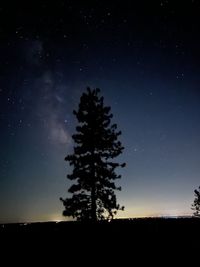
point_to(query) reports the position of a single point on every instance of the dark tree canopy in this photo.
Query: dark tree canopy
(93, 197)
(196, 203)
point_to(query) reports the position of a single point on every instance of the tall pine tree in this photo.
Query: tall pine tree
(93, 197)
(196, 203)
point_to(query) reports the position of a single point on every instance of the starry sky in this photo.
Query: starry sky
(145, 58)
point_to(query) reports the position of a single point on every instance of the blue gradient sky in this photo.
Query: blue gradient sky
(146, 63)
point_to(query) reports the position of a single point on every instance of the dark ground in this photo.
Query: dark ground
(146, 240)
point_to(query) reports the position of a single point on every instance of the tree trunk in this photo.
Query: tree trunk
(93, 191)
(93, 185)
(94, 206)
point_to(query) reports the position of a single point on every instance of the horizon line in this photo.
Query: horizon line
(119, 218)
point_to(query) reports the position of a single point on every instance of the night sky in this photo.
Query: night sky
(145, 58)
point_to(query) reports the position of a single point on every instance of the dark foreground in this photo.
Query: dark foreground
(166, 238)
(156, 228)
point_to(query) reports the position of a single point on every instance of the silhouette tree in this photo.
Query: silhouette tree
(196, 203)
(92, 160)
